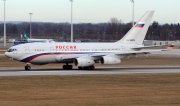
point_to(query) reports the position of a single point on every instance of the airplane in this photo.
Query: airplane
(27, 40)
(85, 55)
(36, 40)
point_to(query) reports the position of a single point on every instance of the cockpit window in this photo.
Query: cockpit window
(11, 50)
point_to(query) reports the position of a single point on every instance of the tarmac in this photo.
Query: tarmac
(99, 70)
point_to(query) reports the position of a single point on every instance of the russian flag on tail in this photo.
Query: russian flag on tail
(140, 25)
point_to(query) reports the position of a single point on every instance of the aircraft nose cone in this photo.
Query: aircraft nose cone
(6, 54)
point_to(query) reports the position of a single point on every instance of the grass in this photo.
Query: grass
(91, 90)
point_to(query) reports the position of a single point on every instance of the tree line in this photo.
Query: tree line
(113, 30)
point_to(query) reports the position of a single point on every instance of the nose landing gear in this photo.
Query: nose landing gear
(27, 67)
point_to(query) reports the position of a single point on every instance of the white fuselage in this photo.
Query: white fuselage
(44, 53)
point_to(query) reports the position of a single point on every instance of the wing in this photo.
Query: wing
(99, 55)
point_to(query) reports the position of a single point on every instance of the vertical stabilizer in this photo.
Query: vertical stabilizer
(138, 32)
(25, 36)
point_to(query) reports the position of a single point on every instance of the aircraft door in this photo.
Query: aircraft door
(27, 51)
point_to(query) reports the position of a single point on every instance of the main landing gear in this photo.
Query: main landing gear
(67, 67)
(70, 67)
(86, 68)
(27, 67)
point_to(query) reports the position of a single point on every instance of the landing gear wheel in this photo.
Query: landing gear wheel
(80, 68)
(87, 68)
(64, 67)
(70, 67)
(92, 67)
(27, 67)
(67, 67)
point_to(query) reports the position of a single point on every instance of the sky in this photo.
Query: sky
(89, 11)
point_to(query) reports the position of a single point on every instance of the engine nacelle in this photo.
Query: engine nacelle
(109, 60)
(83, 62)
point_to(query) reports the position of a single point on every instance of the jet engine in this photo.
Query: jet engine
(83, 62)
(109, 60)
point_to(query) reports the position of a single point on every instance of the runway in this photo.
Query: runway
(99, 70)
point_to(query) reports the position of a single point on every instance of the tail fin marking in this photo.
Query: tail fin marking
(137, 33)
(25, 36)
